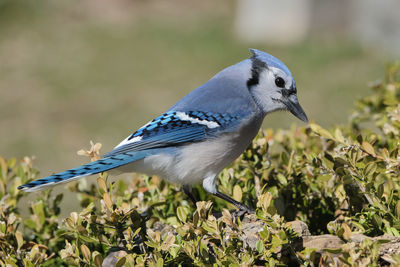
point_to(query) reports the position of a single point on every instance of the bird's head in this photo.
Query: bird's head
(272, 85)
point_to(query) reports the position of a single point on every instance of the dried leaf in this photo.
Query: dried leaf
(74, 216)
(237, 193)
(367, 147)
(85, 251)
(347, 231)
(107, 201)
(320, 131)
(102, 184)
(265, 201)
(3, 166)
(227, 217)
(98, 260)
(97, 147)
(398, 209)
(93, 153)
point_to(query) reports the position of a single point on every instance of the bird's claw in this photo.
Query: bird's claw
(240, 213)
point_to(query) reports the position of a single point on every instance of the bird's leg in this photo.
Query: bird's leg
(239, 205)
(187, 189)
(209, 184)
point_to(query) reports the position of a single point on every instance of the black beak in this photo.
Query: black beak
(296, 109)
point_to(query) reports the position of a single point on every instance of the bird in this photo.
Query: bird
(194, 140)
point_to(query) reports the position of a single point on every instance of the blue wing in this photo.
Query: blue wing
(175, 128)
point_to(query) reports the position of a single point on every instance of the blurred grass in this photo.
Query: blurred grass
(74, 72)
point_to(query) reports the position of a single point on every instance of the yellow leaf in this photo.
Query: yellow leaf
(160, 262)
(102, 184)
(368, 148)
(3, 188)
(320, 131)
(3, 164)
(339, 135)
(347, 231)
(107, 201)
(85, 251)
(398, 209)
(264, 201)
(20, 239)
(237, 193)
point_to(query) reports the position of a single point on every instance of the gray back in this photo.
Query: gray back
(226, 92)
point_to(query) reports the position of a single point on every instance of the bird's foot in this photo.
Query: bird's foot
(241, 212)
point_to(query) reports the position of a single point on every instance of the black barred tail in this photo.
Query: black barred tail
(98, 166)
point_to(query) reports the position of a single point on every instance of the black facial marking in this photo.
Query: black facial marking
(294, 88)
(256, 68)
(288, 92)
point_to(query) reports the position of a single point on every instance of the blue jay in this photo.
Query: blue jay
(201, 134)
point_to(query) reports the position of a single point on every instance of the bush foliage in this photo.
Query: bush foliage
(339, 181)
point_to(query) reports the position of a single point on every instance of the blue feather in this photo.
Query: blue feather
(98, 166)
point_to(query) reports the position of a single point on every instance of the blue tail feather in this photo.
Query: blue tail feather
(98, 166)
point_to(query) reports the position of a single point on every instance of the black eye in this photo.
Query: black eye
(280, 82)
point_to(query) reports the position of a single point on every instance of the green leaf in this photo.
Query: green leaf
(380, 190)
(29, 223)
(320, 131)
(88, 239)
(260, 246)
(333, 250)
(370, 169)
(38, 210)
(19, 238)
(282, 179)
(160, 262)
(182, 214)
(120, 262)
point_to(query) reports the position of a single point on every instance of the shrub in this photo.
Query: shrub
(339, 181)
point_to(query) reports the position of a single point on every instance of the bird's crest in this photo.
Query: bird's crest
(269, 60)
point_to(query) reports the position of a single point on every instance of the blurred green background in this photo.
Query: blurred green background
(74, 71)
